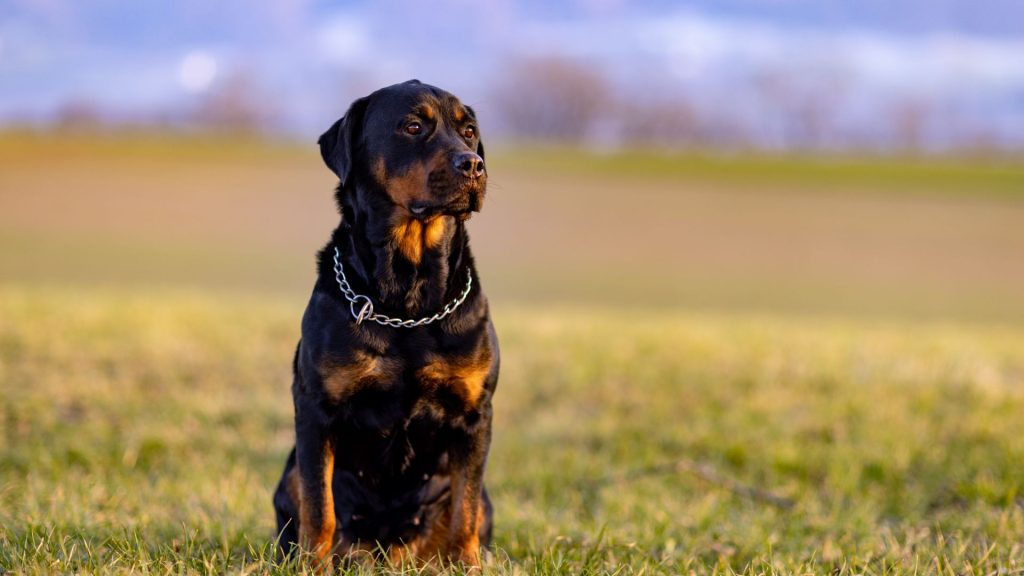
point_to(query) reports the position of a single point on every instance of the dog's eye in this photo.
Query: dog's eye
(413, 128)
(469, 132)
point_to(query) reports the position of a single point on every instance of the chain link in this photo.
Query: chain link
(365, 311)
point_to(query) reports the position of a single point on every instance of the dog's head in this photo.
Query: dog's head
(414, 146)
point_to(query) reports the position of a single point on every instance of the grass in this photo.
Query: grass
(995, 176)
(144, 433)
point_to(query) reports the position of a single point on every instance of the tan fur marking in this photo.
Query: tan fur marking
(406, 187)
(318, 540)
(467, 375)
(341, 380)
(467, 543)
(434, 544)
(410, 185)
(463, 529)
(408, 235)
(454, 535)
(412, 236)
(434, 232)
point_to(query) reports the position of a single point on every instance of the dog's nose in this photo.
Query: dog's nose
(470, 165)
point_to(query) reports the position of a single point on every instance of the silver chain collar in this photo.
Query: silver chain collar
(365, 311)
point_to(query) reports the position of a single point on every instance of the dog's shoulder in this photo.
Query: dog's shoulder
(332, 352)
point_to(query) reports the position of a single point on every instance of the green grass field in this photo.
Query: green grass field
(740, 365)
(145, 433)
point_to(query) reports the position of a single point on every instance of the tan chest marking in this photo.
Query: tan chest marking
(413, 236)
(341, 380)
(465, 375)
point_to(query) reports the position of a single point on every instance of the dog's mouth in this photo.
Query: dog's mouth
(460, 203)
(453, 208)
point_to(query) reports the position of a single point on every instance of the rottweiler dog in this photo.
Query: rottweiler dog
(398, 358)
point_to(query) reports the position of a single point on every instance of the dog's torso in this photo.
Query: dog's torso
(401, 407)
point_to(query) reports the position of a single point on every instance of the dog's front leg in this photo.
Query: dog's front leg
(467, 509)
(467, 513)
(314, 453)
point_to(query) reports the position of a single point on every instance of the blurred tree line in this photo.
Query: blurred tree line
(565, 101)
(561, 100)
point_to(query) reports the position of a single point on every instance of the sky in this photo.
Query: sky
(308, 59)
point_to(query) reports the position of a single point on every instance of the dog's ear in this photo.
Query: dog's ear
(338, 144)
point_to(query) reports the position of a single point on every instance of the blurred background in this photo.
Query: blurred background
(801, 156)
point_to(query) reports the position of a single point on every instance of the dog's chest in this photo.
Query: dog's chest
(398, 416)
(400, 386)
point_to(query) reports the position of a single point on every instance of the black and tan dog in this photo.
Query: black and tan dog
(392, 421)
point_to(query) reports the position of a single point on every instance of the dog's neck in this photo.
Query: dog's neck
(408, 267)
